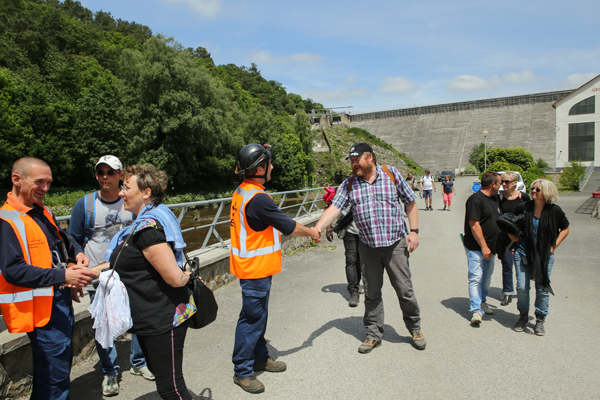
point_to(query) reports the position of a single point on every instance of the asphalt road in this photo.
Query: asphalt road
(314, 331)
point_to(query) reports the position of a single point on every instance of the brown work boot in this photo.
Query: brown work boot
(250, 384)
(270, 365)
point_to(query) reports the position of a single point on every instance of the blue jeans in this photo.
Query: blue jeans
(108, 357)
(250, 345)
(507, 274)
(480, 277)
(52, 350)
(542, 298)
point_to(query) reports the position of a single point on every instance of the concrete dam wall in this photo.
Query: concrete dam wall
(442, 136)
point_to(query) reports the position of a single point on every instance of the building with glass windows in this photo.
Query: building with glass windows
(578, 126)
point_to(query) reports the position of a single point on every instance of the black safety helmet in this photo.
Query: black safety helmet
(250, 157)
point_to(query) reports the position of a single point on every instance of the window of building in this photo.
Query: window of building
(581, 142)
(587, 106)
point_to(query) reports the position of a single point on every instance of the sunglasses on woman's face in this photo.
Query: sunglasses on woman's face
(536, 189)
(506, 182)
(101, 172)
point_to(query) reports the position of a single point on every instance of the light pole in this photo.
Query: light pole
(485, 134)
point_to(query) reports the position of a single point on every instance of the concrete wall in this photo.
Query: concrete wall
(15, 349)
(441, 137)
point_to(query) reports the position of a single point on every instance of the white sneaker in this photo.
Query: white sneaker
(144, 372)
(486, 309)
(476, 319)
(110, 386)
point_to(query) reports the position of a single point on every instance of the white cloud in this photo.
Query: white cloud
(575, 80)
(522, 77)
(473, 83)
(468, 83)
(265, 57)
(205, 8)
(337, 97)
(397, 84)
(351, 79)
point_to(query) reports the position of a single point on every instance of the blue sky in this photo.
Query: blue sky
(388, 54)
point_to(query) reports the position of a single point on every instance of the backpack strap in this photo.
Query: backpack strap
(90, 208)
(389, 173)
(350, 182)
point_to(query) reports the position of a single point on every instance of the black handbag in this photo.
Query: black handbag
(204, 298)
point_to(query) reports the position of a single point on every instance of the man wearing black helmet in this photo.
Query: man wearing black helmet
(255, 257)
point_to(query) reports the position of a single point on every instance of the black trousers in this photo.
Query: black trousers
(164, 356)
(353, 274)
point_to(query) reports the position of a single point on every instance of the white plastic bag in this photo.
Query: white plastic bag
(110, 309)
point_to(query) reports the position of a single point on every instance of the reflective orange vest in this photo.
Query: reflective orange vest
(24, 308)
(254, 254)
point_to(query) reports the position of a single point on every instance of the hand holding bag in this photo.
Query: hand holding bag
(203, 297)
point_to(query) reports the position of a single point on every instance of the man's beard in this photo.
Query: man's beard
(361, 172)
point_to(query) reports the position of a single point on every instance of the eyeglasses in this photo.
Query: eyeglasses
(101, 172)
(535, 189)
(506, 182)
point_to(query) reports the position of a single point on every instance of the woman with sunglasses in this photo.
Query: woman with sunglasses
(546, 227)
(510, 198)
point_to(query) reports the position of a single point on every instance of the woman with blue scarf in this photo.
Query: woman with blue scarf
(148, 257)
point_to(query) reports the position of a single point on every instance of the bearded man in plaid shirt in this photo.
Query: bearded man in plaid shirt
(385, 241)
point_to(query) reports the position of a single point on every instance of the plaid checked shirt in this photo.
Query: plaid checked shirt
(376, 206)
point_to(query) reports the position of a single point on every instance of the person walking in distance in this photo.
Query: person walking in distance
(95, 219)
(427, 185)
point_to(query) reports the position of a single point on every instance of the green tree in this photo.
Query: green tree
(516, 155)
(178, 116)
(290, 162)
(571, 175)
(476, 152)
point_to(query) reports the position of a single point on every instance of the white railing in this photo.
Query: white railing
(586, 176)
(305, 208)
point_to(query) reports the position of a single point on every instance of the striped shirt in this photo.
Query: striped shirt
(376, 207)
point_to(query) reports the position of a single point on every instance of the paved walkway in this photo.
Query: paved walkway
(314, 331)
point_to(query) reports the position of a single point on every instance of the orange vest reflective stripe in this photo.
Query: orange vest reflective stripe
(254, 254)
(24, 309)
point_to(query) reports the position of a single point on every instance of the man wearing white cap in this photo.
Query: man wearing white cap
(95, 219)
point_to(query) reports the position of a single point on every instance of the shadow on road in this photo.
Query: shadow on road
(339, 288)
(352, 326)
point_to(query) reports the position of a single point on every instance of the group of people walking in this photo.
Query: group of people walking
(128, 232)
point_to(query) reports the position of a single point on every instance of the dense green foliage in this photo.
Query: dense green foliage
(569, 178)
(75, 85)
(470, 169)
(516, 155)
(519, 157)
(476, 152)
(540, 163)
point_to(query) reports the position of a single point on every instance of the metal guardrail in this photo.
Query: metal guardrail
(586, 176)
(305, 208)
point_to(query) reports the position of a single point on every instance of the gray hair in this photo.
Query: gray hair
(510, 175)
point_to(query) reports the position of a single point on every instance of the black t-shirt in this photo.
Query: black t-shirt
(486, 210)
(508, 206)
(153, 302)
(262, 212)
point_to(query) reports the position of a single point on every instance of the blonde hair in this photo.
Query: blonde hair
(548, 189)
(148, 176)
(510, 175)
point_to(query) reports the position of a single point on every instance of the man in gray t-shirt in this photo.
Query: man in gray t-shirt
(95, 219)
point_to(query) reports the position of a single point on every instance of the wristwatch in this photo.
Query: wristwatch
(415, 230)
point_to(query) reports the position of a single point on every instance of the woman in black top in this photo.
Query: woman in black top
(510, 198)
(448, 186)
(147, 256)
(546, 227)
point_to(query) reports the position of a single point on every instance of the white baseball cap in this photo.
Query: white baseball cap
(111, 161)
